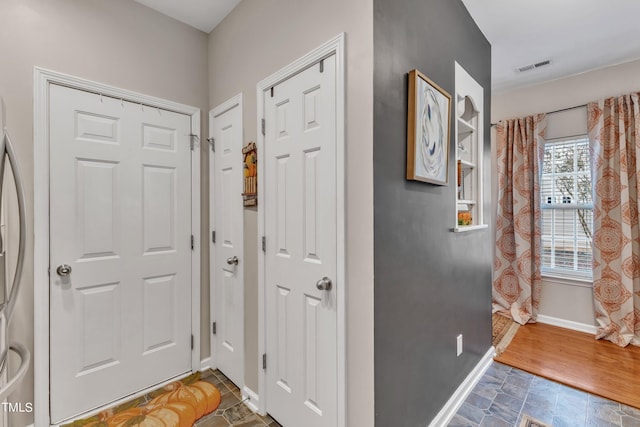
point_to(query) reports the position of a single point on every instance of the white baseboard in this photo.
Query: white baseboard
(205, 364)
(250, 399)
(456, 400)
(567, 324)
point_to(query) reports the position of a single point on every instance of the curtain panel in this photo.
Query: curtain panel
(517, 277)
(614, 135)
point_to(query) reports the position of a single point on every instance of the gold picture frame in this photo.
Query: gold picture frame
(428, 130)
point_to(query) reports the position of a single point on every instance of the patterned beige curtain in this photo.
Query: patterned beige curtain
(614, 134)
(516, 283)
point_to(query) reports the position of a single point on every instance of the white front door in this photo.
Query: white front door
(301, 248)
(120, 265)
(225, 126)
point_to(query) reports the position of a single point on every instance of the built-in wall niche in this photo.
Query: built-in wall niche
(469, 145)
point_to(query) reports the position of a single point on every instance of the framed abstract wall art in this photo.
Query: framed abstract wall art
(428, 127)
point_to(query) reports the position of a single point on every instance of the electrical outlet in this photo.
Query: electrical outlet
(459, 345)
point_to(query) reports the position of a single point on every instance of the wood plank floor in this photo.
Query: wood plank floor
(578, 360)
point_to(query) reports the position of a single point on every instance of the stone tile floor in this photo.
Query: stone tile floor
(504, 394)
(232, 412)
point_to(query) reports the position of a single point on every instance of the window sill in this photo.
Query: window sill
(564, 280)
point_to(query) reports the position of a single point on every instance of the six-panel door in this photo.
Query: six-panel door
(228, 222)
(301, 248)
(120, 218)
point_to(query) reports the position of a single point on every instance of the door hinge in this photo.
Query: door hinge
(264, 127)
(193, 140)
(213, 236)
(264, 244)
(191, 341)
(193, 242)
(214, 328)
(322, 65)
(212, 142)
(264, 361)
(272, 91)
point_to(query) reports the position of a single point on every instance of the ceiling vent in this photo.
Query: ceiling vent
(534, 66)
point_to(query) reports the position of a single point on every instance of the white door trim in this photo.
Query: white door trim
(333, 46)
(225, 106)
(42, 79)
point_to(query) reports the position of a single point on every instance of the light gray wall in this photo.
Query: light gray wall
(568, 92)
(430, 284)
(255, 40)
(117, 42)
(562, 300)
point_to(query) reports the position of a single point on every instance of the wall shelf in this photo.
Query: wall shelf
(469, 146)
(466, 164)
(465, 127)
(464, 228)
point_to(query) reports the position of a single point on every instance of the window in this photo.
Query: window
(567, 209)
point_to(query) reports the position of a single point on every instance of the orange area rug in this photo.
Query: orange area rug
(179, 404)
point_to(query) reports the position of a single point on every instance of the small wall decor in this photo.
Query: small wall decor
(428, 130)
(250, 166)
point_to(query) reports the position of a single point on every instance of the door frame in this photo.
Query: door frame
(42, 79)
(236, 101)
(336, 47)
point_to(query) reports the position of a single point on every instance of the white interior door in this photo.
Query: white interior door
(227, 250)
(301, 248)
(120, 264)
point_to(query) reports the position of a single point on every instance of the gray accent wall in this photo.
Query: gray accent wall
(430, 284)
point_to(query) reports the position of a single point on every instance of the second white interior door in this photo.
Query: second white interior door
(228, 249)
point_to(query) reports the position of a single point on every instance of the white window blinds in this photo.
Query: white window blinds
(567, 208)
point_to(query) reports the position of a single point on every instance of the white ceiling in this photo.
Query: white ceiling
(201, 14)
(577, 35)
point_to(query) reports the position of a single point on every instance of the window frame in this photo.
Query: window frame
(565, 275)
